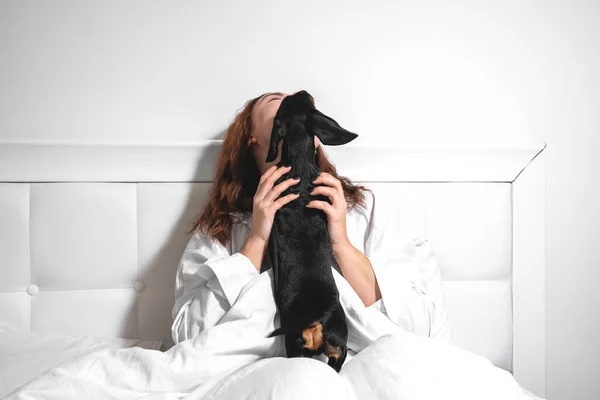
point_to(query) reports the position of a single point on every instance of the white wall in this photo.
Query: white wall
(413, 73)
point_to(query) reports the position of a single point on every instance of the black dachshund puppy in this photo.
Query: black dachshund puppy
(299, 248)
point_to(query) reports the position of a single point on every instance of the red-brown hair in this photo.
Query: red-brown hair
(237, 176)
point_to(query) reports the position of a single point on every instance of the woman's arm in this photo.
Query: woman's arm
(354, 266)
(357, 270)
(404, 277)
(208, 281)
(210, 278)
(409, 278)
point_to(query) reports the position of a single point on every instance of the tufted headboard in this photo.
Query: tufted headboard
(91, 236)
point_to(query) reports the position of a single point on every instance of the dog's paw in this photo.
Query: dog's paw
(334, 352)
(336, 356)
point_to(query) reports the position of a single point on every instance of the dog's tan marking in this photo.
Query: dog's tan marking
(313, 336)
(332, 352)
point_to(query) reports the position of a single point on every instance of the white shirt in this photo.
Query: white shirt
(210, 276)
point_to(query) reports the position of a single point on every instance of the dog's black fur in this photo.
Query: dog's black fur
(299, 248)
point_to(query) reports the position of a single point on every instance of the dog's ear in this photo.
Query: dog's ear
(330, 132)
(277, 134)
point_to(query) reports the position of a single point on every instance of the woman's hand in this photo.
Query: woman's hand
(266, 202)
(336, 211)
(355, 266)
(265, 205)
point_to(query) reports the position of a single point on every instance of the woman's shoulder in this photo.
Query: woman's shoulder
(368, 211)
(200, 240)
(369, 200)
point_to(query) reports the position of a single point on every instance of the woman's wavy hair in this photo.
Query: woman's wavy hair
(237, 177)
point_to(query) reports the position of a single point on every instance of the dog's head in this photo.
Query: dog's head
(296, 123)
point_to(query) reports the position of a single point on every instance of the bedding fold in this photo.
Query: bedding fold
(235, 359)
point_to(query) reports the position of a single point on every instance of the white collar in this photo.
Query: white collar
(245, 218)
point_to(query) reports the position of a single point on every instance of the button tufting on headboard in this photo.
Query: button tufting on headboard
(139, 286)
(33, 289)
(104, 255)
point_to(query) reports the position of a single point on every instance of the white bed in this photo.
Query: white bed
(91, 235)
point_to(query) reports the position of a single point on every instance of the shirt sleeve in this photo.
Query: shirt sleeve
(208, 281)
(408, 277)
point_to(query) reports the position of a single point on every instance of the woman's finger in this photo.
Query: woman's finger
(268, 173)
(282, 201)
(277, 190)
(321, 205)
(276, 175)
(329, 180)
(266, 185)
(330, 192)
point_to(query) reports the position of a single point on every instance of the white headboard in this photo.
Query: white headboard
(91, 236)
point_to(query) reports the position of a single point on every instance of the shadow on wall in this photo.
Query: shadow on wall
(166, 212)
(220, 135)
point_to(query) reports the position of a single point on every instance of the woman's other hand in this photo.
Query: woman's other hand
(336, 211)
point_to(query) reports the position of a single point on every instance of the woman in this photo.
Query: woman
(231, 234)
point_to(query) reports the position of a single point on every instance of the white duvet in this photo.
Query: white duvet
(236, 360)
